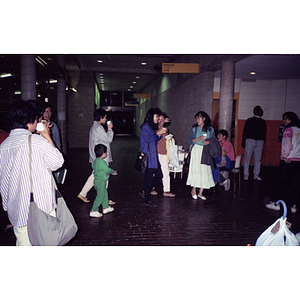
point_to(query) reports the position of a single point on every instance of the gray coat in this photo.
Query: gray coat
(98, 135)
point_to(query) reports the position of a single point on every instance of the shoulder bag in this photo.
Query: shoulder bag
(141, 162)
(46, 230)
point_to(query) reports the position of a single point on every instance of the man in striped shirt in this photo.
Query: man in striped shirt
(14, 167)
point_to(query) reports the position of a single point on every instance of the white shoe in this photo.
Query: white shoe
(202, 197)
(227, 185)
(294, 209)
(195, 197)
(257, 178)
(95, 214)
(107, 210)
(273, 206)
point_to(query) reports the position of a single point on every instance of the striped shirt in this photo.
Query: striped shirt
(14, 174)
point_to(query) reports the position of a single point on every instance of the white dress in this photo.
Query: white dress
(200, 175)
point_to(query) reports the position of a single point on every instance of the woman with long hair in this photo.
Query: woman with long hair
(200, 175)
(150, 135)
(289, 166)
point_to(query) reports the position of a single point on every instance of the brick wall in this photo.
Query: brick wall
(80, 111)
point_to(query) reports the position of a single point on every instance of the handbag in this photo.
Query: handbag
(44, 229)
(187, 160)
(141, 162)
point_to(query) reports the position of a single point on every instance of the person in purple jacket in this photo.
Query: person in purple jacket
(150, 135)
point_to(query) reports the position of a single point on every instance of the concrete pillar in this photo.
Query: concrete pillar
(28, 77)
(226, 97)
(62, 105)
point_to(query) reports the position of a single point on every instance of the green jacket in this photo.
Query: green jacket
(101, 169)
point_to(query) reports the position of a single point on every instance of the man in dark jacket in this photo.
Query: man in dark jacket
(254, 136)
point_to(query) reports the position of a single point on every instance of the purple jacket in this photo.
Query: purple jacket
(148, 141)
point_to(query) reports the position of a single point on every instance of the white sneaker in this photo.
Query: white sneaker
(107, 210)
(273, 206)
(294, 209)
(257, 178)
(95, 214)
(227, 185)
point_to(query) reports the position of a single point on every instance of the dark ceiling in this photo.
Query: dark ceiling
(119, 72)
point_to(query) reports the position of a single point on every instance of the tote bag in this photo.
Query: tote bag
(46, 230)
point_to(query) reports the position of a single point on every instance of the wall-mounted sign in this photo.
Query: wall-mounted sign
(139, 96)
(180, 68)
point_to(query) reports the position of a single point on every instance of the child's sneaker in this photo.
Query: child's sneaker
(95, 214)
(107, 210)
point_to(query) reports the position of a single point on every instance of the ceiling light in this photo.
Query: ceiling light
(137, 77)
(52, 81)
(129, 90)
(100, 61)
(144, 63)
(133, 81)
(4, 75)
(252, 73)
(40, 61)
(131, 86)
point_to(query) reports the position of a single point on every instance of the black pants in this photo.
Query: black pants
(152, 178)
(289, 183)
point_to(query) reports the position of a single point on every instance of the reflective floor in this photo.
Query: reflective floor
(225, 218)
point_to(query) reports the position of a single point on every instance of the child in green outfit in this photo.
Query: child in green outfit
(101, 174)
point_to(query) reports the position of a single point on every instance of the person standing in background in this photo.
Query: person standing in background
(289, 167)
(163, 156)
(200, 175)
(98, 135)
(254, 136)
(150, 135)
(54, 128)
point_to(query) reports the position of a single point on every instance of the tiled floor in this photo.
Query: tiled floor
(225, 218)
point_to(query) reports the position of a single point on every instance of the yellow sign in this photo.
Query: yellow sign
(139, 96)
(180, 68)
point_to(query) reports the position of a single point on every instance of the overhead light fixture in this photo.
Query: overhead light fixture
(133, 81)
(4, 75)
(73, 89)
(144, 63)
(137, 77)
(17, 93)
(252, 73)
(40, 61)
(100, 61)
(52, 81)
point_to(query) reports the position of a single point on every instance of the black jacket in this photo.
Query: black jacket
(210, 152)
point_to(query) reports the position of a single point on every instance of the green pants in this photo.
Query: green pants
(102, 195)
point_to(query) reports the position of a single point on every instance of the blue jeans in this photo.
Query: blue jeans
(257, 147)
